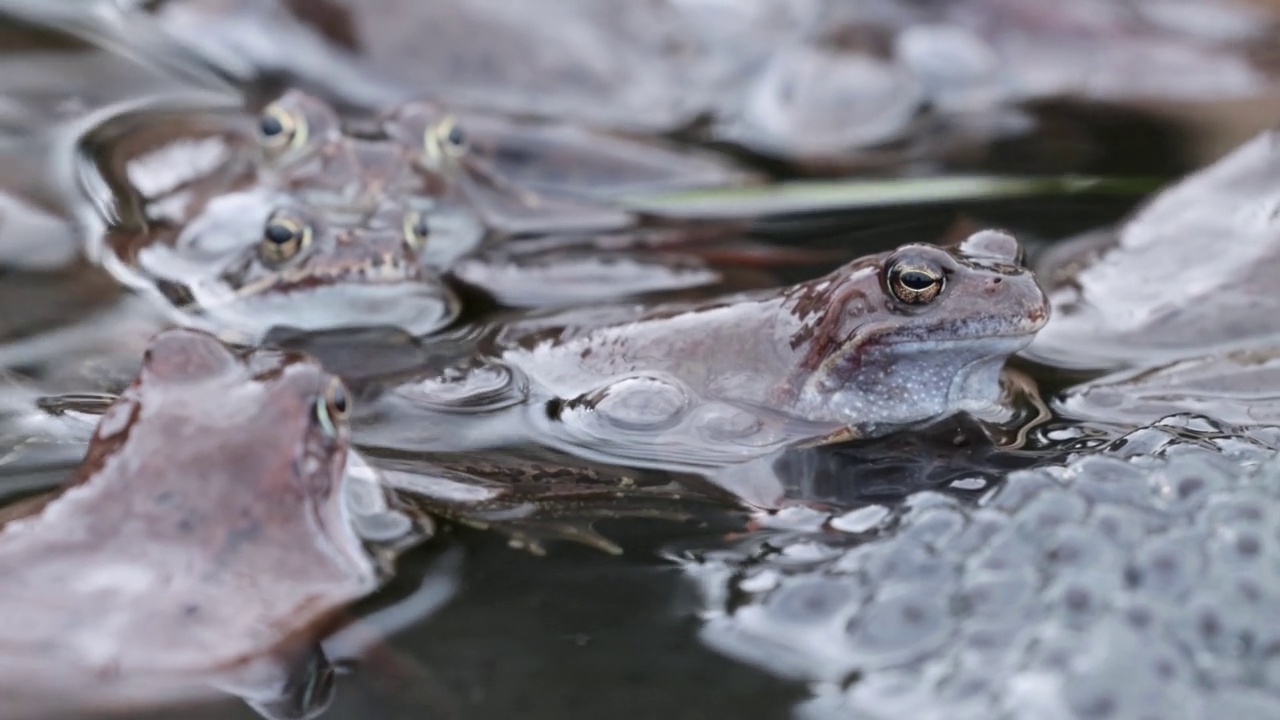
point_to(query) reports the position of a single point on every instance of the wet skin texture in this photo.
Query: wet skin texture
(204, 530)
(250, 261)
(418, 155)
(228, 245)
(888, 340)
(377, 206)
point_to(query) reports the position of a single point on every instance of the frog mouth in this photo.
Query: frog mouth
(383, 270)
(319, 297)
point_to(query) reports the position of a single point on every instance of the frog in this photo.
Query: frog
(252, 262)
(156, 226)
(190, 552)
(179, 211)
(548, 234)
(530, 496)
(1189, 273)
(556, 161)
(890, 341)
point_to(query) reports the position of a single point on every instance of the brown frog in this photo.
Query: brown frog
(888, 341)
(186, 200)
(253, 261)
(204, 539)
(185, 215)
(522, 175)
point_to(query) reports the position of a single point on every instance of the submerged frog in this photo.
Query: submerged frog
(204, 539)
(184, 213)
(523, 175)
(184, 202)
(889, 341)
(250, 262)
(1193, 271)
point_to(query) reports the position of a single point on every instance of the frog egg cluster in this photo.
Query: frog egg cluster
(1143, 582)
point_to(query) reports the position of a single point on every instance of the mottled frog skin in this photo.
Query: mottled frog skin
(204, 532)
(253, 261)
(886, 342)
(189, 214)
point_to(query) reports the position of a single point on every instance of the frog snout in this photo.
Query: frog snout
(1037, 309)
(1022, 297)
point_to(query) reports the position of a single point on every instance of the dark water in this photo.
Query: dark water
(666, 629)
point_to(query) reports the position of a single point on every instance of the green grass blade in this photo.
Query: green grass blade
(812, 196)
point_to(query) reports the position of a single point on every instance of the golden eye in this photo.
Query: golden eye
(915, 284)
(283, 238)
(452, 137)
(332, 407)
(416, 229)
(280, 128)
(445, 138)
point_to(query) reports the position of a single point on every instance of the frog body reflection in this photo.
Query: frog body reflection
(203, 534)
(889, 341)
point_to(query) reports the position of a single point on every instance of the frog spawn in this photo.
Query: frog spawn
(1136, 583)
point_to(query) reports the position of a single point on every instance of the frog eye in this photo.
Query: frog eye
(416, 229)
(915, 284)
(446, 138)
(278, 128)
(283, 238)
(332, 407)
(452, 136)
